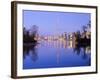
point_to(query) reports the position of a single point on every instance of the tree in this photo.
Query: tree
(84, 28)
(34, 29)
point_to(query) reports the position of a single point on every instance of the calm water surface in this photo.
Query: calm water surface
(53, 54)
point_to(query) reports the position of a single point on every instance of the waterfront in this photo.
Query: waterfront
(56, 39)
(58, 53)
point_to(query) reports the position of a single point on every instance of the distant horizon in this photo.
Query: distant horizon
(50, 23)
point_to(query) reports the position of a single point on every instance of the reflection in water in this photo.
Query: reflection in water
(55, 53)
(30, 50)
(85, 49)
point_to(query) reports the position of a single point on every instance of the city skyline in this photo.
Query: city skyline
(50, 23)
(65, 36)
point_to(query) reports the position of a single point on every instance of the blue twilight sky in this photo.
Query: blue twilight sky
(50, 23)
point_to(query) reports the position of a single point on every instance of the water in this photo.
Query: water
(54, 54)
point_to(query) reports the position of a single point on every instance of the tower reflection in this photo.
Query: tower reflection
(57, 45)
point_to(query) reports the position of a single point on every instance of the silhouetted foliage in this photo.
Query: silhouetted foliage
(29, 35)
